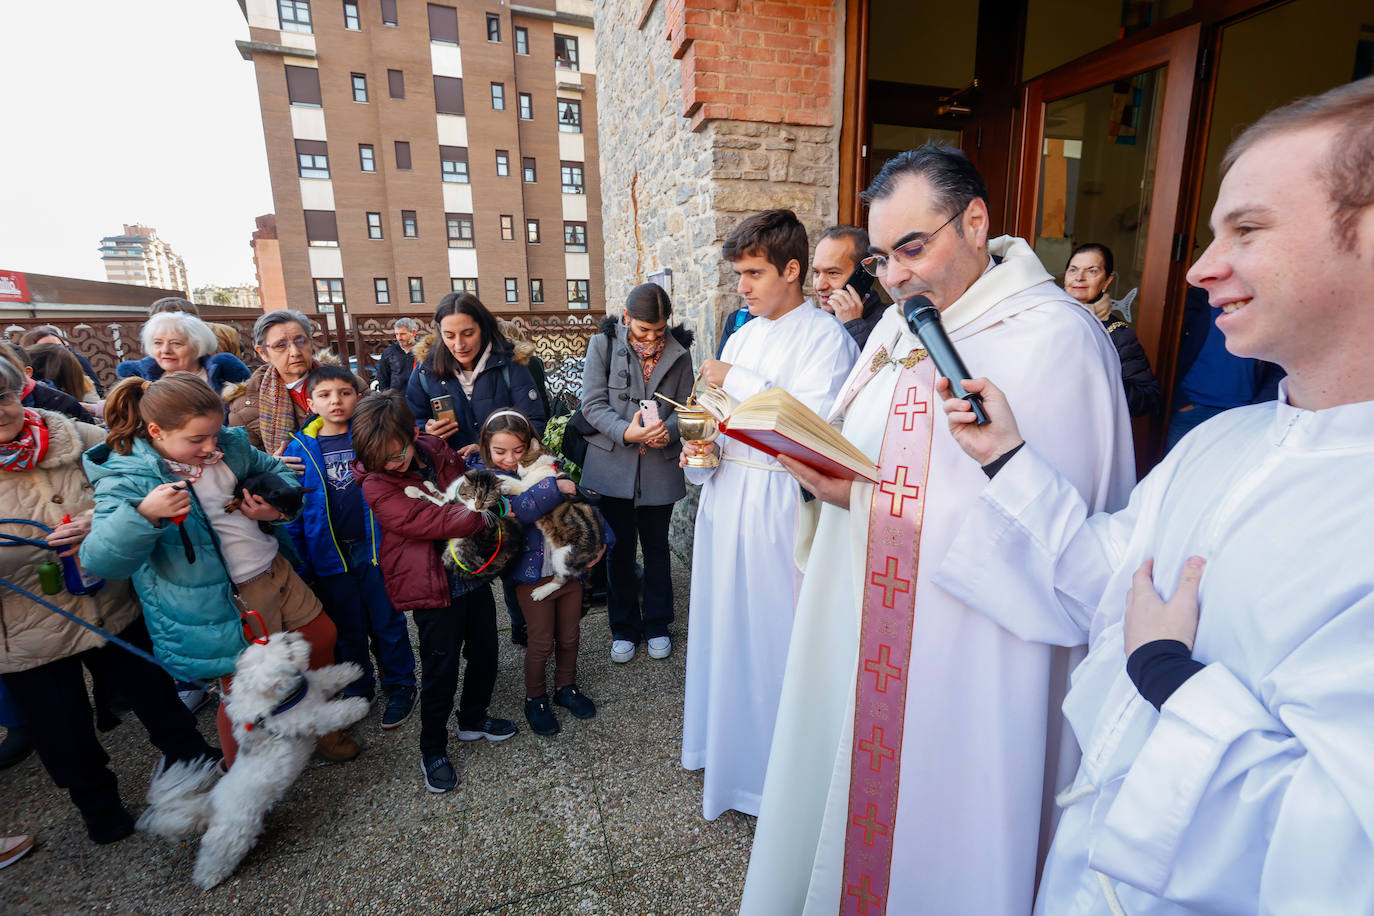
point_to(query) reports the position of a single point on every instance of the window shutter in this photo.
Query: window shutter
(448, 95)
(321, 226)
(443, 23)
(303, 85)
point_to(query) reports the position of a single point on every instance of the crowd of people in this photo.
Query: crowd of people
(876, 670)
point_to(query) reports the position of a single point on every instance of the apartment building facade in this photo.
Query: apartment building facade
(140, 258)
(416, 148)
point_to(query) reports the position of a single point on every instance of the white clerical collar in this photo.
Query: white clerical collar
(1019, 270)
(1346, 426)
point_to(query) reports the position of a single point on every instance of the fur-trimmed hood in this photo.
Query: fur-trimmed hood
(681, 333)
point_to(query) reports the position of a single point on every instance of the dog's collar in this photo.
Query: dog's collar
(298, 694)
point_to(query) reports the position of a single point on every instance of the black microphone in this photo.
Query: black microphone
(924, 320)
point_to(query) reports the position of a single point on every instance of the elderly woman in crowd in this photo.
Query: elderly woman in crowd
(41, 478)
(272, 404)
(181, 342)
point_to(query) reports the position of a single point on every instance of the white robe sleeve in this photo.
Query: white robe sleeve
(823, 364)
(1029, 556)
(1258, 800)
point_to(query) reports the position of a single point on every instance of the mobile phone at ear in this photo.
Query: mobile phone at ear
(442, 408)
(862, 281)
(648, 413)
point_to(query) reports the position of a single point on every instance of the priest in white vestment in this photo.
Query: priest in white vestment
(744, 579)
(1226, 756)
(917, 740)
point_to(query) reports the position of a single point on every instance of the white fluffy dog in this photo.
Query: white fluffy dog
(279, 708)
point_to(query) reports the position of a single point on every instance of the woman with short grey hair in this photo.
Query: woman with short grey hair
(181, 342)
(271, 405)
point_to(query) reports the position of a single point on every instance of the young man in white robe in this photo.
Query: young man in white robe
(917, 741)
(744, 577)
(1226, 756)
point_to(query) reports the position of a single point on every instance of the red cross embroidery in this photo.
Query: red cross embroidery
(910, 408)
(877, 751)
(871, 825)
(899, 490)
(864, 891)
(882, 669)
(890, 583)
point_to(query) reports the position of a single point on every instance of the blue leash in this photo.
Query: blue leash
(12, 540)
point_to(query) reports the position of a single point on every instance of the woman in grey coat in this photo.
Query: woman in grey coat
(632, 459)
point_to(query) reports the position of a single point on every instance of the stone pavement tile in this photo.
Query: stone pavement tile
(654, 812)
(635, 730)
(704, 882)
(599, 897)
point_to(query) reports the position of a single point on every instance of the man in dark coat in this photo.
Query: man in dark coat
(396, 361)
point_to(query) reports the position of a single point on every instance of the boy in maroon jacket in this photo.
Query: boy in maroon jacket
(450, 616)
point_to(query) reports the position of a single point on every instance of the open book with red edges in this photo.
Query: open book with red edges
(773, 421)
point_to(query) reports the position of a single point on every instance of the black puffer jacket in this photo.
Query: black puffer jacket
(1143, 392)
(393, 368)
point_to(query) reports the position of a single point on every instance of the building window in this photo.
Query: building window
(579, 294)
(322, 228)
(532, 231)
(402, 154)
(367, 157)
(522, 40)
(526, 106)
(536, 290)
(295, 15)
(303, 86)
(351, 19)
(374, 225)
(389, 13)
(493, 27)
(463, 285)
(443, 23)
(448, 95)
(359, 87)
(382, 290)
(575, 237)
(396, 82)
(565, 52)
(312, 159)
(502, 163)
(328, 292)
(570, 116)
(453, 163)
(572, 177)
(526, 169)
(417, 290)
(409, 227)
(498, 96)
(459, 230)
(512, 289)
(507, 227)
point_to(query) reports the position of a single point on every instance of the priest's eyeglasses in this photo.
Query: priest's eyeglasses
(908, 254)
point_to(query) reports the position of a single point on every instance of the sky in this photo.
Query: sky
(125, 112)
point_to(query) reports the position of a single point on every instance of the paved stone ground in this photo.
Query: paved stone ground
(599, 819)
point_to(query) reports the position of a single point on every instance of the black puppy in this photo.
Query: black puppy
(275, 490)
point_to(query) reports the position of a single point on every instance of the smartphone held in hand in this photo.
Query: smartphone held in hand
(648, 412)
(442, 407)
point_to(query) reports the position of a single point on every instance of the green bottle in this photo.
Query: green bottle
(50, 577)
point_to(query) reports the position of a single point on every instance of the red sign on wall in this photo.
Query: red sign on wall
(14, 287)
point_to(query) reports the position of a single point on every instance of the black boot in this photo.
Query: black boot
(16, 747)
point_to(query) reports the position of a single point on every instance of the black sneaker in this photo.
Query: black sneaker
(439, 773)
(519, 634)
(16, 747)
(574, 701)
(398, 708)
(489, 728)
(109, 826)
(540, 716)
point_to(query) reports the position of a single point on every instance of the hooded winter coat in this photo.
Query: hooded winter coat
(412, 528)
(505, 381)
(313, 531)
(612, 387)
(30, 634)
(189, 607)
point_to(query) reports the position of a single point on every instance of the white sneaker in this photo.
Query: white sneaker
(622, 650)
(660, 647)
(194, 698)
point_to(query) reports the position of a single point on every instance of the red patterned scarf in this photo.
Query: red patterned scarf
(26, 450)
(276, 411)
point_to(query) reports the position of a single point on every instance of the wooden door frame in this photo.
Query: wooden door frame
(853, 113)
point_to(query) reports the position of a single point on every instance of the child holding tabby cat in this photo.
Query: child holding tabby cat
(553, 613)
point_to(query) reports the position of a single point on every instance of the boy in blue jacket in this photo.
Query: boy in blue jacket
(337, 539)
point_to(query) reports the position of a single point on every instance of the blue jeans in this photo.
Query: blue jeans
(356, 601)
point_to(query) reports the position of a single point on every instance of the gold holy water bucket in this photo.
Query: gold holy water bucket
(696, 425)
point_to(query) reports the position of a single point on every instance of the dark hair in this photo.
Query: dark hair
(55, 363)
(509, 420)
(169, 402)
(856, 237)
(34, 335)
(441, 357)
(773, 234)
(1348, 167)
(15, 354)
(954, 181)
(648, 302)
(1108, 261)
(173, 304)
(382, 419)
(330, 373)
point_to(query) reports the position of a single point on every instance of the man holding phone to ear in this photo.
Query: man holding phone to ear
(843, 288)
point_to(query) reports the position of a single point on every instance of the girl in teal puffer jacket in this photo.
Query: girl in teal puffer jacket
(162, 480)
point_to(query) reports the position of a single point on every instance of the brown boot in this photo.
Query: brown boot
(337, 746)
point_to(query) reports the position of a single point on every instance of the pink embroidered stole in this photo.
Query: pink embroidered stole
(894, 533)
